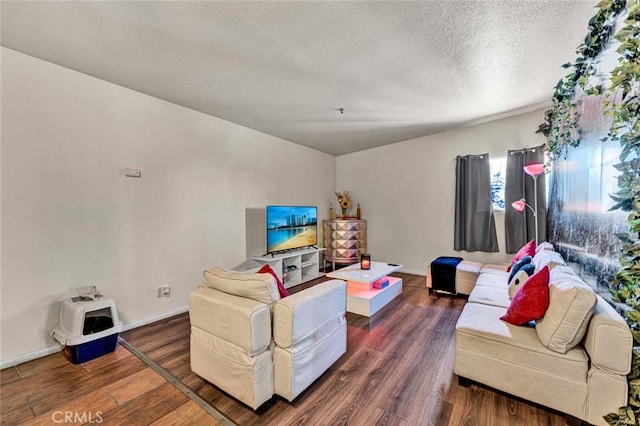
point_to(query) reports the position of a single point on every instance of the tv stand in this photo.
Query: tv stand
(299, 265)
(273, 253)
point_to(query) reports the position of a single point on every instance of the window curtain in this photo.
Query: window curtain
(520, 226)
(475, 226)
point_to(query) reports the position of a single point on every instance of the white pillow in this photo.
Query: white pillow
(260, 287)
(547, 258)
(545, 246)
(571, 304)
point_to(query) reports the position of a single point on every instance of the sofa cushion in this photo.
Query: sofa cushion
(308, 316)
(494, 296)
(480, 330)
(531, 301)
(607, 330)
(571, 304)
(466, 276)
(493, 280)
(468, 267)
(260, 287)
(491, 268)
(528, 249)
(248, 322)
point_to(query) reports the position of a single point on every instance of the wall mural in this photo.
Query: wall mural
(580, 224)
(575, 126)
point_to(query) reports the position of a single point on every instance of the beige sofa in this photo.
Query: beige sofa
(250, 343)
(574, 360)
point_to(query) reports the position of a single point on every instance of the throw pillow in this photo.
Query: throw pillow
(519, 264)
(545, 246)
(571, 305)
(531, 302)
(267, 269)
(547, 258)
(528, 249)
(519, 278)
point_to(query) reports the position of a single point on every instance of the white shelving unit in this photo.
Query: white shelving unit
(300, 266)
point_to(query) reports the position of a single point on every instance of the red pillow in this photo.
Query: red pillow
(528, 249)
(266, 269)
(531, 301)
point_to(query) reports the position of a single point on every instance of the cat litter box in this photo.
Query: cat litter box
(88, 328)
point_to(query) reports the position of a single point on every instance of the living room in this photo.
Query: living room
(71, 217)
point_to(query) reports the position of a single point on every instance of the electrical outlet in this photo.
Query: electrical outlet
(164, 291)
(133, 173)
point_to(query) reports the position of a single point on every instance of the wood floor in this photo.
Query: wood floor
(398, 370)
(115, 389)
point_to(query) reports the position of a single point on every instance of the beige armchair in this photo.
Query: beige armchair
(252, 344)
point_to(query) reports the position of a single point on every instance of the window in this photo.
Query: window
(498, 174)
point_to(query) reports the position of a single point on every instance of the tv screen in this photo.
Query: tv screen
(291, 227)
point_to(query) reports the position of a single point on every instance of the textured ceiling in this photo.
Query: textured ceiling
(400, 69)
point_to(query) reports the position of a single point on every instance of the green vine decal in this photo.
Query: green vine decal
(545, 127)
(561, 121)
(563, 129)
(623, 104)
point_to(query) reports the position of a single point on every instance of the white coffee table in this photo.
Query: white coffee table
(362, 298)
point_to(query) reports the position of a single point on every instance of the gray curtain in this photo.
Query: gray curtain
(519, 226)
(475, 226)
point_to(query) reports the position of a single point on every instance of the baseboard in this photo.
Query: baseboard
(177, 311)
(58, 347)
(31, 356)
(413, 272)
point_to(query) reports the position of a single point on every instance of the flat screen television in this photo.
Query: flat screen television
(291, 227)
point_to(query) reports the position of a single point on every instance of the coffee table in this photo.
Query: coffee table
(362, 298)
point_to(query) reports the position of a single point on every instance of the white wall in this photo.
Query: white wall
(71, 218)
(407, 190)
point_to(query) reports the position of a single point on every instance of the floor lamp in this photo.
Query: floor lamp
(533, 170)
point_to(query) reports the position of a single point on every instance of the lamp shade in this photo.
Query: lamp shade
(519, 205)
(534, 169)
